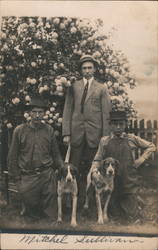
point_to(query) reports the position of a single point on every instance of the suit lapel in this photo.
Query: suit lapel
(91, 90)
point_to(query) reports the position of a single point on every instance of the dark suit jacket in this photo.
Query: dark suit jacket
(94, 122)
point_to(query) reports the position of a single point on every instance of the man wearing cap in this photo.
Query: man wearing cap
(121, 146)
(86, 114)
(32, 159)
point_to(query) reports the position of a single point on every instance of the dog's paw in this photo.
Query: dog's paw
(59, 221)
(100, 221)
(74, 224)
(106, 219)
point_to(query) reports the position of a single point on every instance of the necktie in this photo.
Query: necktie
(84, 96)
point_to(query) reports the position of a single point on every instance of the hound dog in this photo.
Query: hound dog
(67, 184)
(102, 179)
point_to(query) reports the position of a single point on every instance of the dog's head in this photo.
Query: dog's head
(68, 172)
(109, 167)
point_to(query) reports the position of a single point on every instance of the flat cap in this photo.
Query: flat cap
(88, 58)
(38, 101)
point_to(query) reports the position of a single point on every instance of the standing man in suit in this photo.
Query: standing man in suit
(86, 115)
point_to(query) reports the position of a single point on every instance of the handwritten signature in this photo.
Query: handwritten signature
(64, 239)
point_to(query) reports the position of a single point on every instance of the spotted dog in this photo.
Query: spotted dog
(67, 184)
(103, 181)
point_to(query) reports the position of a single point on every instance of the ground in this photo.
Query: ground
(148, 224)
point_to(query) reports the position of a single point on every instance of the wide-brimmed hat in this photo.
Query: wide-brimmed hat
(118, 116)
(88, 58)
(37, 101)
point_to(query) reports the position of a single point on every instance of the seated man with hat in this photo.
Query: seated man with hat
(32, 159)
(121, 146)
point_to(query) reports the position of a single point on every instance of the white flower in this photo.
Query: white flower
(62, 26)
(47, 25)
(57, 115)
(26, 115)
(61, 65)
(63, 80)
(58, 82)
(112, 72)
(109, 84)
(50, 115)
(45, 117)
(96, 54)
(33, 81)
(27, 98)
(59, 88)
(54, 35)
(5, 47)
(55, 118)
(116, 85)
(32, 25)
(55, 66)
(47, 112)
(15, 100)
(3, 35)
(41, 90)
(56, 21)
(50, 121)
(52, 109)
(54, 104)
(33, 64)
(45, 87)
(54, 41)
(83, 43)
(73, 30)
(60, 120)
(79, 52)
(9, 125)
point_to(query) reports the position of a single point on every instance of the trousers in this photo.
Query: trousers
(127, 183)
(38, 192)
(82, 153)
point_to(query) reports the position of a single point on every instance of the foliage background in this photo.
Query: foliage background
(41, 55)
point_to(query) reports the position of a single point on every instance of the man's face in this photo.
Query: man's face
(37, 115)
(118, 127)
(88, 70)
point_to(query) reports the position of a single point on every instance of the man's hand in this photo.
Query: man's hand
(66, 139)
(138, 162)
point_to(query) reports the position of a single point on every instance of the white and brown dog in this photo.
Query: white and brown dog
(103, 181)
(67, 184)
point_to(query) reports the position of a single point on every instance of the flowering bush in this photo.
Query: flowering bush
(40, 55)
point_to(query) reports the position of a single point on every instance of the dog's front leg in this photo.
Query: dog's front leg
(74, 208)
(105, 215)
(86, 204)
(59, 208)
(99, 208)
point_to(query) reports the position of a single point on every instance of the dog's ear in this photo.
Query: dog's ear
(117, 163)
(117, 167)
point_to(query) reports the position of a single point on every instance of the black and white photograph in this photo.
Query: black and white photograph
(79, 124)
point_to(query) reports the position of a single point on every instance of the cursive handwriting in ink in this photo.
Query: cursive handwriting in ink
(105, 239)
(28, 239)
